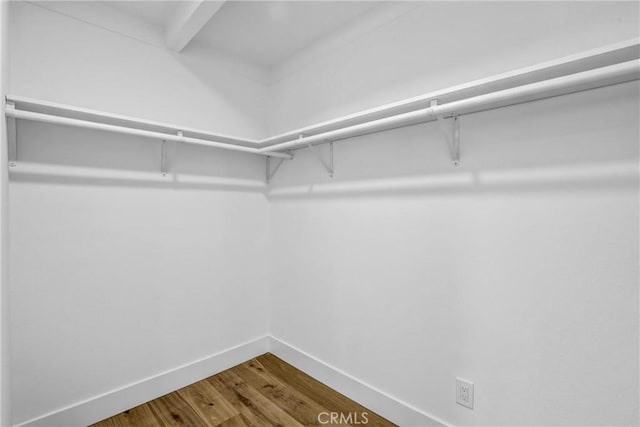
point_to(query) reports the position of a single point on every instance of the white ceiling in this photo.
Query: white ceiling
(264, 33)
(156, 12)
(268, 32)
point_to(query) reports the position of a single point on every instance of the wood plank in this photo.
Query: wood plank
(262, 392)
(237, 421)
(316, 390)
(253, 405)
(296, 404)
(208, 403)
(140, 416)
(172, 410)
(247, 416)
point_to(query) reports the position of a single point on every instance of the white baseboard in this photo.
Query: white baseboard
(115, 401)
(378, 401)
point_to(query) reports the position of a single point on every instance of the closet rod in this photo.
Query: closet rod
(415, 111)
(10, 111)
(591, 79)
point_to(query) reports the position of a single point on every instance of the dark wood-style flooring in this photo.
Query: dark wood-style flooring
(264, 391)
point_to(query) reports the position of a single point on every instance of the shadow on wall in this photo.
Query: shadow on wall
(609, 175)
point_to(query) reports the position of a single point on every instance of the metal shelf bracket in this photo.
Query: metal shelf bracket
(331, 160)
(327, 164)
(12, 137)
(164, 154)
(452, 136)
(163, 158)
(271, 173)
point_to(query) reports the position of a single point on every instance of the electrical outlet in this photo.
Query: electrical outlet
(464, 393)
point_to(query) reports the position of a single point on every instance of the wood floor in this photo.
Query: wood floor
(264, 391)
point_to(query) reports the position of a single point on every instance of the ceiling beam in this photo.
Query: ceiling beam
(189, 19)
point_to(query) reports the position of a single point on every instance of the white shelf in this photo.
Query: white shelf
(612, 64)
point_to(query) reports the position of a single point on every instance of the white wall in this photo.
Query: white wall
(404, 49)
(110, 71)
(118, 274)
(5, 401)
(517, 270)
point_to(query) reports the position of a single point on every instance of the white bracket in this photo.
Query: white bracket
(271, 173)
(163, 158)
(164, 155)
(327, 164)
(12, 138)
(452, 136)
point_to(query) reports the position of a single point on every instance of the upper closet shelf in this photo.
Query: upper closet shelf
(19, 107)
(604, 66)
(612, 64)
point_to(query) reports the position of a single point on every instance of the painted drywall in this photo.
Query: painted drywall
(403, 49)
(119, 274)
(517, 270)
(5, 369)
(111, 71)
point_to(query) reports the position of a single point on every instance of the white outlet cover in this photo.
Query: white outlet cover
(464, 393)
